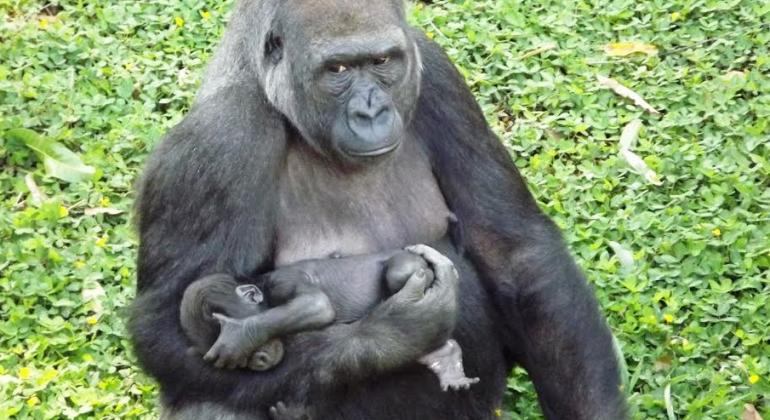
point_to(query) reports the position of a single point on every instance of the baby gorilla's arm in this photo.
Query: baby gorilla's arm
(303, 307)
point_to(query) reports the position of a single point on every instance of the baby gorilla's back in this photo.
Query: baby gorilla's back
(353, 285)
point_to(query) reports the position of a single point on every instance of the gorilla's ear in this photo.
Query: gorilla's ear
(250, 293)
(273, 48)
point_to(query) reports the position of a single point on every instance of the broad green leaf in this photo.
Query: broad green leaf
(59, 161)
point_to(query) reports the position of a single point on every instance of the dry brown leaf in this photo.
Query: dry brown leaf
(750, 413)
(630, 133)
(627, 140)
(626, 93)
(101, 210)
(733, 74)
(37, 196)
(622, 49)
(538, 50)
(640, 166)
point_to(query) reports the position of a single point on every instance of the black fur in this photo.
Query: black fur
(209, 203)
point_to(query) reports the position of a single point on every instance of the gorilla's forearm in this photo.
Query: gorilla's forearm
(560, 335)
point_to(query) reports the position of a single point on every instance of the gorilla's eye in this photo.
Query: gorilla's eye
(381, 60)
(274, 48)
(338, 68)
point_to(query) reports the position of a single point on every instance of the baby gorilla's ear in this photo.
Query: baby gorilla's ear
(250, 293)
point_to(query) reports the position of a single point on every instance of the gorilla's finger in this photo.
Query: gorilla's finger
(431, 255)
(414, 289)
(221, 318)
(219, 363)
(211, 354)
(242, 362)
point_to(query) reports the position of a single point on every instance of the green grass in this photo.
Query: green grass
(691, 311)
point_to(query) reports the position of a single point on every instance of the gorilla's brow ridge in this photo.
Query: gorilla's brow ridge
(378, 43)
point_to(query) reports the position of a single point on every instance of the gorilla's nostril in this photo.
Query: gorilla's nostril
(363, 116)
(370, 114)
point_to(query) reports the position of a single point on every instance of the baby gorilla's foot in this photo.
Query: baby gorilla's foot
(267, 356)
(447, 364)
(401, 266)
(281, 412)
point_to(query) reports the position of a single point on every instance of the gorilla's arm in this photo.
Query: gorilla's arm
(553, 318)
(200, 211)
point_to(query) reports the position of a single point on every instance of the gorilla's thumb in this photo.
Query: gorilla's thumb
(414, 289)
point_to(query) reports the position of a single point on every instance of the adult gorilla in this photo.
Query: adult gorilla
(331, 126)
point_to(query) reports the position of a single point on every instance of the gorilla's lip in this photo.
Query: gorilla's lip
(376, 152)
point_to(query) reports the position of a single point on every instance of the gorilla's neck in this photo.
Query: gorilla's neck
(324, 210)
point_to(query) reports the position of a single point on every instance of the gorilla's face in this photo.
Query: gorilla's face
(353, 80)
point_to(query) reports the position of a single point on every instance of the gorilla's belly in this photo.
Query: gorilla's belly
(324, 211)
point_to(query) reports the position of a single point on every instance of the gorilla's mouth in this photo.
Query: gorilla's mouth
(374, 152)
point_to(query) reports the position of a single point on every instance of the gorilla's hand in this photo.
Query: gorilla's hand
(442, 266)
(235, 344)
(427, 312)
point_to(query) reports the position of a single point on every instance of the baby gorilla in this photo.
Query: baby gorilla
(312, 294)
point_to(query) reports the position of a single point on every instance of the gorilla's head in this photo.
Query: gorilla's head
(345, 73)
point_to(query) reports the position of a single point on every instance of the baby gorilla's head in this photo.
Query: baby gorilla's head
(220, 293)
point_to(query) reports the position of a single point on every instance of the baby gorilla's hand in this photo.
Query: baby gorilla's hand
(234, 347)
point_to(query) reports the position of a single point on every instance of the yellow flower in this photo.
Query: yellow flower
(498, 412)
(676, 16)
(205, 14)
(716, 232)
(63, 212)
(668, 318)
(754, 378)
(24, 373)
(104, 202)
(33, 401)
(42, 23)
(92, 320)
(179, 21)
(48, 375)
(79, 264)
(102, 242)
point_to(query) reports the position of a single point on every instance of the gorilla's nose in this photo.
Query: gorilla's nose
(370, 116)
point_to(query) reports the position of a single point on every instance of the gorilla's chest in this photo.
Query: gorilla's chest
(323, 210)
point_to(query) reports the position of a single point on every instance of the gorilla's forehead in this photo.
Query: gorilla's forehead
(316, 19)
(373, 43)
